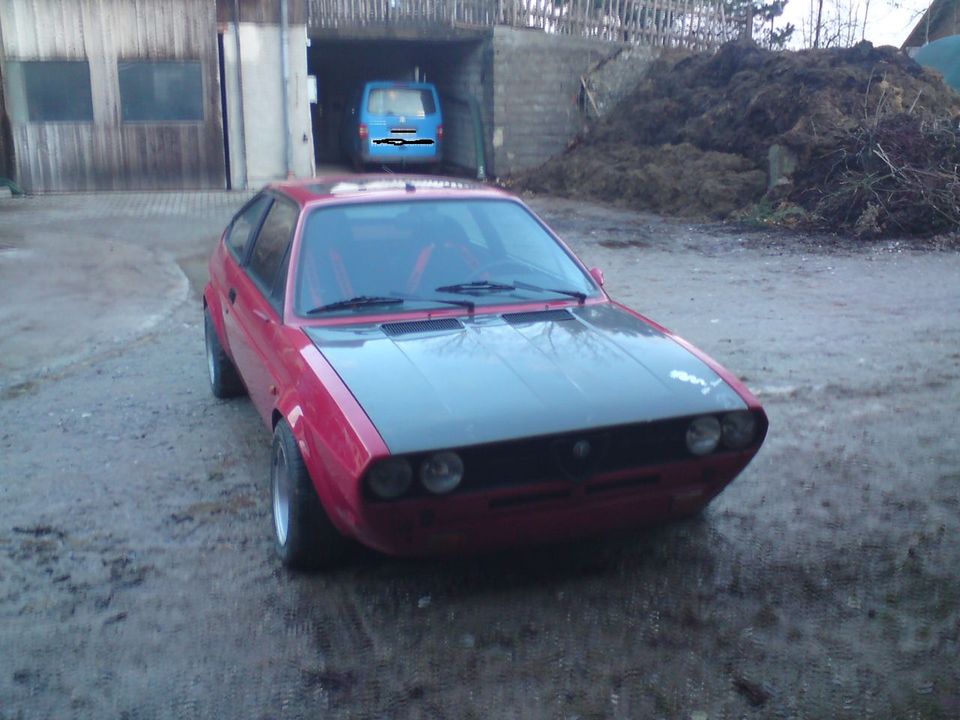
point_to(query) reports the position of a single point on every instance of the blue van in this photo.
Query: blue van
(394, 123)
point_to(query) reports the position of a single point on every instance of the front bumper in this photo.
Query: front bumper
(546, 512)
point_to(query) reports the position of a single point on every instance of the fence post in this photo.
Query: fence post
(748, 24)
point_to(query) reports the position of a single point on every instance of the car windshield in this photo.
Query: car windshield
(401, 101)
(440, 252)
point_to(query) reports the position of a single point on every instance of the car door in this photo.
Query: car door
(255, 336)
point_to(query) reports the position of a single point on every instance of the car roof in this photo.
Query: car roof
(400, 84)
(374, 187)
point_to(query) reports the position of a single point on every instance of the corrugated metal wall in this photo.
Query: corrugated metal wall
(109, 154)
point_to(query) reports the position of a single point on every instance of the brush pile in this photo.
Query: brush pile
(862, 140)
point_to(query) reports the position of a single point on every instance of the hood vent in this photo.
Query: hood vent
(537, 316)
(413, 327)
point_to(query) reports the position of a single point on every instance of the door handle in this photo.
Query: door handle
(232, 295)
(262, 315)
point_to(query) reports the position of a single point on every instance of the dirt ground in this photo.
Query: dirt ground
(136, 574)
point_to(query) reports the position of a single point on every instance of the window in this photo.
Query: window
(270, 248)
(245, 224)
(411, 249)
(398, 101)
(49, 91)
(160, 91)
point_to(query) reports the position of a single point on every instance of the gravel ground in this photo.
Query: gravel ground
(136, 574)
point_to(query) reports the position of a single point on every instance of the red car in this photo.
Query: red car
(441, 374)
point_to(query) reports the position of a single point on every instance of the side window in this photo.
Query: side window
(270, 247)
(280, 284)
(244, 225)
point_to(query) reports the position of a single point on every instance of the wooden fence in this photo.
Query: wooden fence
(692, 24)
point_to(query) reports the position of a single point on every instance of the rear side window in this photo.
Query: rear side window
(244, 225)
(401, 101)
(270, 248)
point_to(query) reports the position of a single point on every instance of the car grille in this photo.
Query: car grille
(535, 460)
(396, 329)
(531, 461)
(520, 318)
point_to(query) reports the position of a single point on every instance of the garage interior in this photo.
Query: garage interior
(457, 66)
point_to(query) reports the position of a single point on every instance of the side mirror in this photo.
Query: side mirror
(597, 274)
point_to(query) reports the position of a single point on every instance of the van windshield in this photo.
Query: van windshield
(401, 101)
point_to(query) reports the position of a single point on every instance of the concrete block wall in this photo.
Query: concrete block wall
(617, 78)
(535, 93)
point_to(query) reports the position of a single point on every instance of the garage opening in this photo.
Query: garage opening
(458, 67)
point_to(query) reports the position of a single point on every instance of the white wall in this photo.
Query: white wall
(261, 156)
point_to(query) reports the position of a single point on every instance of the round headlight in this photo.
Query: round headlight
(390, 478)
(703, 435)
(442, 472)
(738, 429)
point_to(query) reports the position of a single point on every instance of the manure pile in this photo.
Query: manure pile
(865, 140)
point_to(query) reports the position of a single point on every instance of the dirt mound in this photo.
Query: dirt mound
(695, 137)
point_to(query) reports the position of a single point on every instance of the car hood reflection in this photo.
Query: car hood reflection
(497, 377)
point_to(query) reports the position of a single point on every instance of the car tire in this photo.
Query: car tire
(303, 535)
(224, 379)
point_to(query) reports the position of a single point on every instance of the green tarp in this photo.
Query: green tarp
(943, 55)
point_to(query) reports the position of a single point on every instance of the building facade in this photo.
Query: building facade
(111, 94)
(140, 94)
(213, 94)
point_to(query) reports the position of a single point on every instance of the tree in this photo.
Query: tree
(759, 21)
(842, 23)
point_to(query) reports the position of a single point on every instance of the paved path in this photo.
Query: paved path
(81, 274)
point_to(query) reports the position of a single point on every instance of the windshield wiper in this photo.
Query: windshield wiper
(580, 296)
(355, 302)
(365, 300)
(478, 286)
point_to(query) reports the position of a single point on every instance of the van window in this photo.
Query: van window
(401, 101)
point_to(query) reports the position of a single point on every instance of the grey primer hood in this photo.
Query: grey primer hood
(448, 383)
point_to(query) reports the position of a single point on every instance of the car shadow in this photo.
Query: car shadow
(633, 552)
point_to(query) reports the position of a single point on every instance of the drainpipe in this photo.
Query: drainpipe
(241, 127)
(285, 82)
